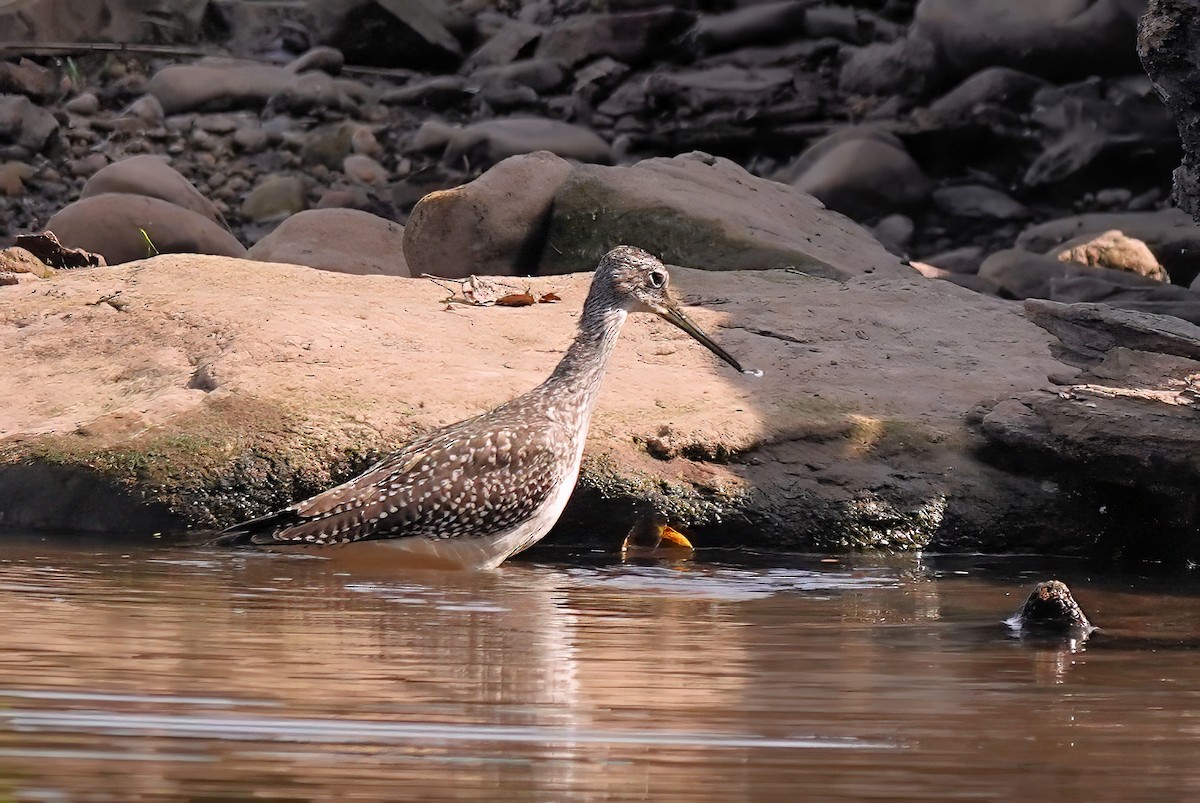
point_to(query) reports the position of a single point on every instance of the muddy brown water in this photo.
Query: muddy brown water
(141, 673)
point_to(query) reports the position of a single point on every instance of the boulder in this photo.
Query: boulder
(339, 240)
(864, 177)
(154, 178)
(1000, 86)
(210, 86)
(1172, 236)
(1112, 249)
(495, 225)
(1054, 39)
(491, 141)
(758, 24)
(124, 228)
(704, 212)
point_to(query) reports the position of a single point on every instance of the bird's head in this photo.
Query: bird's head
(634, 280)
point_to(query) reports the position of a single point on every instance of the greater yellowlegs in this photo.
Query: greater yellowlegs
(474, 493)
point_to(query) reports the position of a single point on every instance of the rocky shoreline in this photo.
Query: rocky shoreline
(871, 188)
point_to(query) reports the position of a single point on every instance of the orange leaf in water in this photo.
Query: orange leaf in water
(516, 300)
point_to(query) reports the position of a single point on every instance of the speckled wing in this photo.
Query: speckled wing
(467, 481)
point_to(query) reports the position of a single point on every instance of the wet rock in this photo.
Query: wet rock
(635, 38)
(276, 197)
(392, 33)
(1112, 249)
(1051, 607)
(123, 228)
(152, 177)
(756, 24)
(1055, 39)
(978, 201)
(495, 225)
(341, 240)
(1172, 235)
(25, 129)
(704, 212)
(864, 177)
(493, 140)
(906, 67)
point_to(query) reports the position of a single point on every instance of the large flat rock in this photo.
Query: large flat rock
(212, 388)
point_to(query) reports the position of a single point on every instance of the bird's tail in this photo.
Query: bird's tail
(261, 530)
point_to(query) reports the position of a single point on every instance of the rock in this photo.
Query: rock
(387, 33)
(1054, 39)
(209, 86)
(376, 358)
(1051, 607)
(364, 170)
(88, 165)
(1114, 197)
(329, 145)
(1000, 86)
(85, 104)
(1022, 274)
(17, 260)
(964, 260)
(25, 129)
(1172, 236)
(1161, 299)
(439, 92)
(311, 92)
(515, 40)
(1167, 44)
(491, 141)
(13, 176)
(864, 178)
(635, 38)
(276, 197)
(907, 67)
(540, 75)
(30, 79)
(147, 109)
(704, 212)
(495, 225)
(328, 60)
(124, 228)
(719, 87)
(1112, 249)
(895, 233)
(152, 177)
(341, 240)
(978, 201)
(764, 23)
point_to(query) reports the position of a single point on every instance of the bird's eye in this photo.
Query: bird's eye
(657, 278)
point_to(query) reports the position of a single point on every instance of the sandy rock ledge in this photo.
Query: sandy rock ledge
(205, 389)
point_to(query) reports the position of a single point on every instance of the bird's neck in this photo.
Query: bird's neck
(581, 370)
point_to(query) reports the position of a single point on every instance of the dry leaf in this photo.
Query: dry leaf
(549, 298)
(516, 300)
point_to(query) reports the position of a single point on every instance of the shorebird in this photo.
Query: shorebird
(654, 538)
(472, 494)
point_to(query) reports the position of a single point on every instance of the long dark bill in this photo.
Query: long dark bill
(676, 316)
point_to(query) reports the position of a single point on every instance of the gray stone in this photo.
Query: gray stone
(340, 240)
(704, 212)
(276, 197)
(865, 178)
(154, 178)
(978, 201)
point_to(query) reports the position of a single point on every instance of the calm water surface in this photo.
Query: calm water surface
(134, 673)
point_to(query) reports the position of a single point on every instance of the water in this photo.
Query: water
(175, 674)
